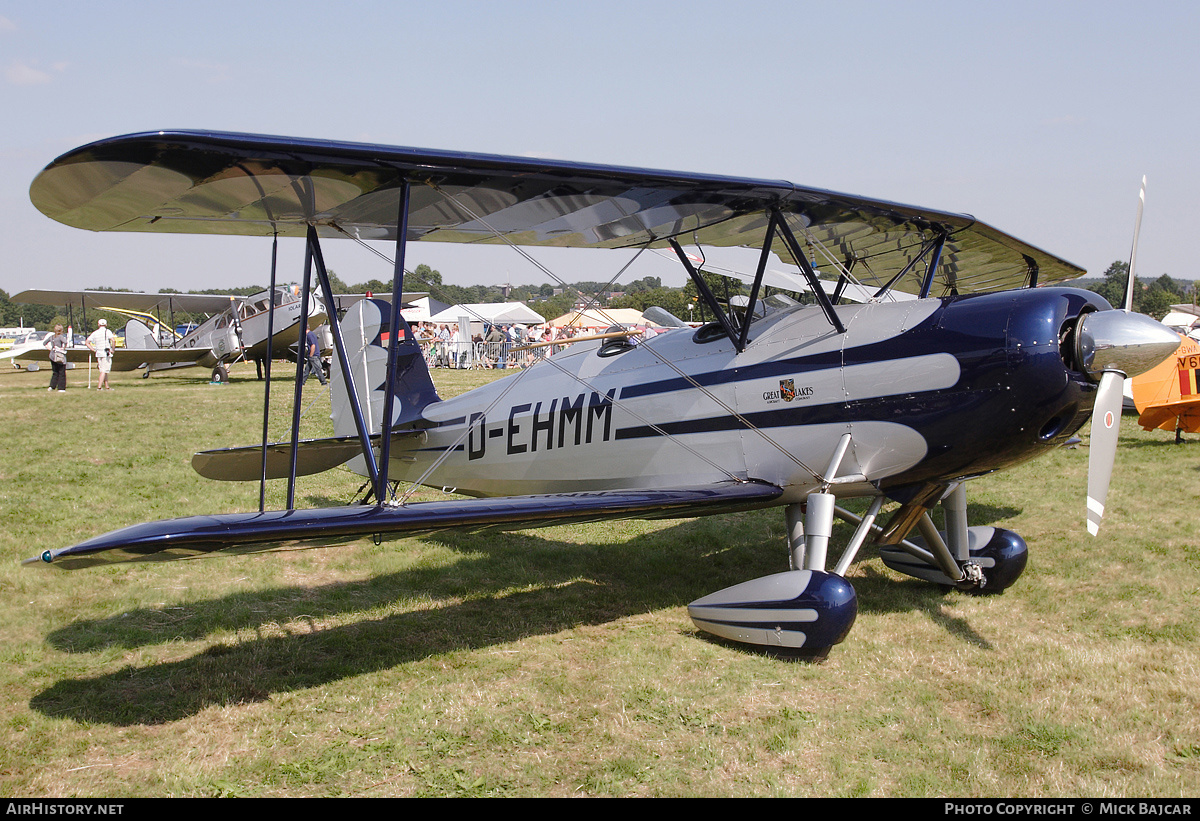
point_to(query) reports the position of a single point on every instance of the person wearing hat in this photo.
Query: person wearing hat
(101, 342)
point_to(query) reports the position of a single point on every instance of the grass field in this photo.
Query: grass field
(561, 662)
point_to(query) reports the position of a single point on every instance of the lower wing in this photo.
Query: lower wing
(254, 532)
(124, 359)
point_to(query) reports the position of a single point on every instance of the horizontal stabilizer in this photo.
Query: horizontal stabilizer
(244, 464)
(1183, 416)
(254, 532)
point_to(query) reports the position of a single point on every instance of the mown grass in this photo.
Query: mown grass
(561, 662)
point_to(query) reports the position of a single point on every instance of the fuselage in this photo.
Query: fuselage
(931, 390)
(242, 330)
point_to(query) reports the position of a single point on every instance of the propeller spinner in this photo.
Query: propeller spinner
(1116, 341)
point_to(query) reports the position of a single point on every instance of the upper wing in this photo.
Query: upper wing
(126, 300)
(216, 183)
(255, 532)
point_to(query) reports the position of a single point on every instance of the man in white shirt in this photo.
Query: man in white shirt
(101, 342)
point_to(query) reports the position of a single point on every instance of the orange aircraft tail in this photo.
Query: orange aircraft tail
(1168, 396)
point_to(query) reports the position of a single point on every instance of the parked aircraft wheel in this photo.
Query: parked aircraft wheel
(220, 374)
(1008, 554)
(145, 374)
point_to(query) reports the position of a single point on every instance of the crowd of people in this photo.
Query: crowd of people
(499, 346)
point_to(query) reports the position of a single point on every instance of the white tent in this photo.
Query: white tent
(422, 309)
(498, 313)
(600, 318)
(471, 319)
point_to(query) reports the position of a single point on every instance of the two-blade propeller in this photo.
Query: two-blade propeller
(1113, 346)
(1106, 425)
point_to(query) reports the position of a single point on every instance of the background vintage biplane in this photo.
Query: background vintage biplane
(1167, 396)
(234, 328)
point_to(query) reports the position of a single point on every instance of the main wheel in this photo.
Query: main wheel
(798, 610)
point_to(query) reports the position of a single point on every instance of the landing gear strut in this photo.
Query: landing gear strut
(807, 608)
(810, 609)
(981, 559)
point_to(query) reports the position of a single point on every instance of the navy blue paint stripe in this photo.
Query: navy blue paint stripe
(912, 342)
(883, 409)
(817, 362)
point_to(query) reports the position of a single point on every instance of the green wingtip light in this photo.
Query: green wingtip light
(47, 557)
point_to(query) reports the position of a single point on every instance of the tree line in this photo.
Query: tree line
(1153, 298)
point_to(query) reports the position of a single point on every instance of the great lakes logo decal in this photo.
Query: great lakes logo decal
(788, 392)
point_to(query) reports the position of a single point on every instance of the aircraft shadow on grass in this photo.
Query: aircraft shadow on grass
(576, 585)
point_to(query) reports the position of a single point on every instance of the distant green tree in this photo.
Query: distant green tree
(1113, 286)
(426, 274)
(555, 306)
(374, 286)
(1154, 299)
(671, 299)
(643, 284)
(336, 285)
(723, 288)
(1172, 286)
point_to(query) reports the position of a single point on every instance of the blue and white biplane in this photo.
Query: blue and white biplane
(771, 404)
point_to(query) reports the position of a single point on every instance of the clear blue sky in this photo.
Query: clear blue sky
(1037, 117)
